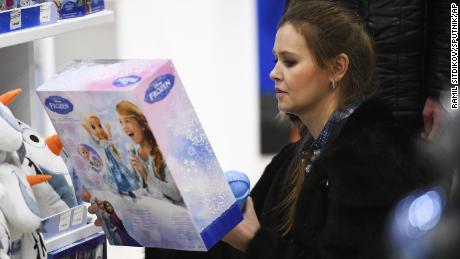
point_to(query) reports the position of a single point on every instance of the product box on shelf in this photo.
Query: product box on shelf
(93, 246)
(93, 6)
(64, 221)
(70, 8)
(139, 149)
(77, 8)
(27, 17)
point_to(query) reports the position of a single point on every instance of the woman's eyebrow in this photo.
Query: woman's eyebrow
(285, 53)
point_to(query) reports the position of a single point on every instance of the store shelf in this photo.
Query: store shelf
(62, 26)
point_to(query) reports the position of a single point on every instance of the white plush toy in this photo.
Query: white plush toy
(20, 218)
(42, 157)
(20, 209)
(5, 240)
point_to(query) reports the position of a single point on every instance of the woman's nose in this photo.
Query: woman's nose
(275, 74)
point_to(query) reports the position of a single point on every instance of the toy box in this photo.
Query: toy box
(27, 17)
(93, 6)
(70, 8)
(65, 221)
(77, 8)
(93, 247)
(138, 147)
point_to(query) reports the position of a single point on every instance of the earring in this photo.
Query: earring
(333, 85)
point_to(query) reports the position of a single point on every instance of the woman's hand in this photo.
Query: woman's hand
(93, 210)
(137, 164)
(240, 236)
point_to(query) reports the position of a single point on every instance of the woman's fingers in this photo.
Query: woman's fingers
(249, 210)
(98, 222)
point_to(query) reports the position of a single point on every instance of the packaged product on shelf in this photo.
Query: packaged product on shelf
(139, 149)
(27, 16)
(70, 8)
(93, 246)
(23, 3)
(10, 4)
(93, 6)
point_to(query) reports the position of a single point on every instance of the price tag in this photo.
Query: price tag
(64, 220)
(78, 215)
(15, 19)
(45, 13)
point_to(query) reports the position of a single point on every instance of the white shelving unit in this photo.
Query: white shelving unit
(62, 26)
(17, 69)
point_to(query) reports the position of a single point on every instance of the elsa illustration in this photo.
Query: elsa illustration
(125, 182)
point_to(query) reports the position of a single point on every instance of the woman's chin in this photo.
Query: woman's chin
(283, 108)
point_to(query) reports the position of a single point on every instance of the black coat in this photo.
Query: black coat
(366, 166)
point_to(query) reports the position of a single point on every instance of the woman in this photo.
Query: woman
(147, 160)
(328, 195)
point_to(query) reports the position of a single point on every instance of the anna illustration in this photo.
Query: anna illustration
(124, 180)
(146, 159)
(117, 232)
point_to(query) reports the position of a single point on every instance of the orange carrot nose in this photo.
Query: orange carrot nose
(54, 144)
(9, 96)
(36, 179)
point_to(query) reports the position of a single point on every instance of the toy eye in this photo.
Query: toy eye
(31, 137)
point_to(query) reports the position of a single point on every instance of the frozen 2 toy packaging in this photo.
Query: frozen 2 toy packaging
(139, 149)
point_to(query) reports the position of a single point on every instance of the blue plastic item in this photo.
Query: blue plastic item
(240, 185)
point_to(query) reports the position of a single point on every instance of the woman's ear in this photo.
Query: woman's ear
(339, 67)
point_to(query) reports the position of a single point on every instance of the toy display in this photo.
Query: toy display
(42, 157)
(24, 14)
(77, 8)
(139, 149)
(20, 219)
(92, 247)
(94, 6)
(48, 189)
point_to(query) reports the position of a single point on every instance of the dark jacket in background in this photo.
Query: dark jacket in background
(412, 41)
(366, 166)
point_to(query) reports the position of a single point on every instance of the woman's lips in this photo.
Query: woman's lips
(280, 93)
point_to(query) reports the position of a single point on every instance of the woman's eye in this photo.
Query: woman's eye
(290, 63)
